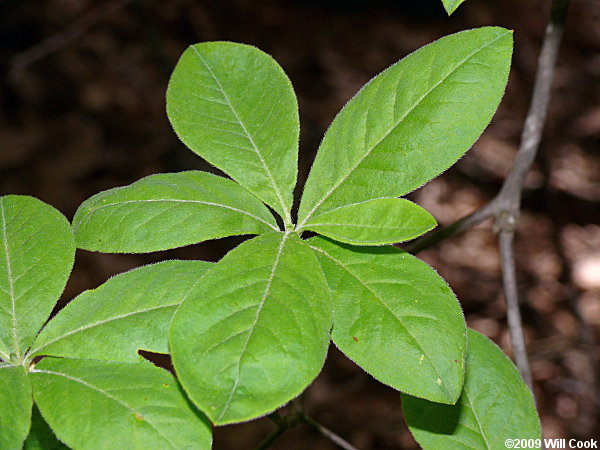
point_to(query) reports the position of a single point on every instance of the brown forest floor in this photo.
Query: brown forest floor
(90, 116)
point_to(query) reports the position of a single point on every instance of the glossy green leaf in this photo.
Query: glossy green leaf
(396, 318)
(37, 251)
(411, 122)
(374, 222)
(129, 312)
(495, 405)
(169, 210)
(256, 333)
(99, 404)
(15, 407)
(233, 105)
(41, 437)
(451, 5)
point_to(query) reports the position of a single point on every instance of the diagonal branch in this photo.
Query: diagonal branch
(505, 207)
(296, 417)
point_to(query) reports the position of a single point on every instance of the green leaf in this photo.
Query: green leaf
(99, 404)
(15, 410)
(233, 105)
(451, 5)
(374, 222)
(169, 210)
(41, 437)
(36, 257)
(495, 405)
(256, 332)
(411, 122)
(129, 312)
(396, 318)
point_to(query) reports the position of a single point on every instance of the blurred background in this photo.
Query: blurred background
(82, 109)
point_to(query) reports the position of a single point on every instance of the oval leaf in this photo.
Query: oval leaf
(37, 252)
(99, 404)
(396, 318)
(16, 401)
(256, 332)
(495, 405)
(374, 222)
(233, 105)
(166, 211)
(129, 312)
(411, 122)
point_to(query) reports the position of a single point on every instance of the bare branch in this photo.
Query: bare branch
(513, 313)
(510, 194)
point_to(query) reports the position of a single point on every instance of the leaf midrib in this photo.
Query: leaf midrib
(472, 406)
(10, 283)
(166, 200)
(356, 225)
(270, 177)
(401, 119)
(366, 286)
(112, 397)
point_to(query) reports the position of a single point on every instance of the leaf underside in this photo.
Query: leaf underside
(233, 105)
(396, 318)
(37, 251)
(166, 211)
(495, 405)
(98, 404)
(129, 312)
(411, 122)
(256, 333)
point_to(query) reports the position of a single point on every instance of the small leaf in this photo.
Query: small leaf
(98, 404)
(256, 332)
(129, 312)
(411, 122)
(374, 222)
(15, 410)
(396, 318)
(37, 251)
(233, 105)
(451, 5)
(41, 437)
(495, 405)
(166, 211)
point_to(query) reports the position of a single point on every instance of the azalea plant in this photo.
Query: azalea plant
(251, 332)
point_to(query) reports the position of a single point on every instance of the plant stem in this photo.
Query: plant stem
(513, 312)
(271, 438)
(326, 432)
(505, 207)
(296, 417)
